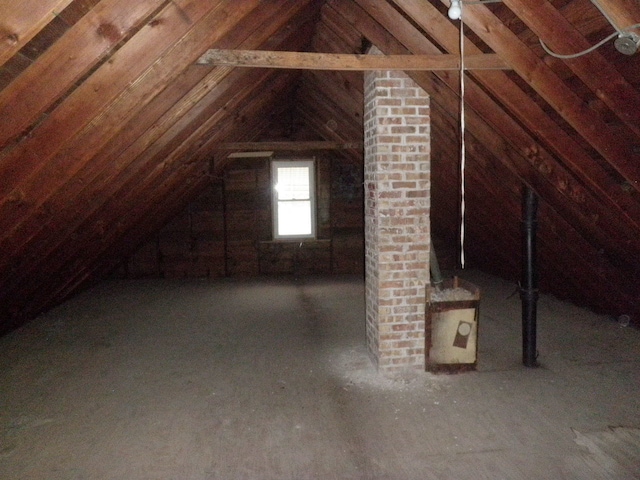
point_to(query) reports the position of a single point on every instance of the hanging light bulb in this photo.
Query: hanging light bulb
(455, 11)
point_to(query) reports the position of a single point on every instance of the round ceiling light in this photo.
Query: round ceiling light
(627, 43)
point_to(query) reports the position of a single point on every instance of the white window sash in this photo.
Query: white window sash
(294, 205)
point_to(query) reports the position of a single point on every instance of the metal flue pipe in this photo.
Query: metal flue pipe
(529, 284)
(434, 267)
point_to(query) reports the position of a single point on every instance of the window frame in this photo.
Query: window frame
(309, 163)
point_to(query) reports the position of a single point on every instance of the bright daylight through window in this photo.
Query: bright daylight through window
(293, 199)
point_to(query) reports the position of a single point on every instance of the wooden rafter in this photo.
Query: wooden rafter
(157, 67)
(623, 13)
(21, 21)
(35, 93)
(341, 61)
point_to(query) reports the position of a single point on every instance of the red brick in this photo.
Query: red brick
(389, 102)
(403, 92)
(403, 129)
(390, 194)
(420, 101)
(396, 110)
(397, 218)
(418, 194)
(391, 83)
(407, 185)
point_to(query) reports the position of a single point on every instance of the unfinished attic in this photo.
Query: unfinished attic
(217, 221)
(122, 155)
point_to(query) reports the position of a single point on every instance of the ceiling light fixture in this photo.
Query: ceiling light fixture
(455, 13)
(627, 43)
(455, 9)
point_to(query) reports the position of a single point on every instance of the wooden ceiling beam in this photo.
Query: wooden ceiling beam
(502, 233)
(328, 115)
(290, 146)
(555, 235)
(94, 196)
(106, 91)
(330, 37)
(323, 117)
(343, 61)
(582, 14)
(81, 273)
(623, 13)
(247, 122)
(333, 101)
(259, 124)
(328, 102)
(348, 103)
(334, 29)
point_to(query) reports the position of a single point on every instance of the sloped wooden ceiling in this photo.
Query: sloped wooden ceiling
(108, 128)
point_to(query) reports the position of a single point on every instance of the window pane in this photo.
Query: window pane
(293, 183)
(294, 218)
(293, 199)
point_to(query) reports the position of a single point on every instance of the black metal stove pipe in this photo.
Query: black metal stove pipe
(529, 284)
(434, 267)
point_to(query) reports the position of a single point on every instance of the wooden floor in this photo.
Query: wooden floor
(269, 379)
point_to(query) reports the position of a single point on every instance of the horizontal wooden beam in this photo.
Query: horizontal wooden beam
(342, 61)
(289, 146)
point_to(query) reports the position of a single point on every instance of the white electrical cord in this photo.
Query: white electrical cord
(618, 32)
(462, 145)
(588, 50)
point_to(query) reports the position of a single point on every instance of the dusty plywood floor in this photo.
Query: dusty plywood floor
(270, 380)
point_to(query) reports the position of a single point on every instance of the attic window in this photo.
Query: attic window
(293, 184)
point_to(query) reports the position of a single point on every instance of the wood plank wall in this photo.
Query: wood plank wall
(227, 230)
